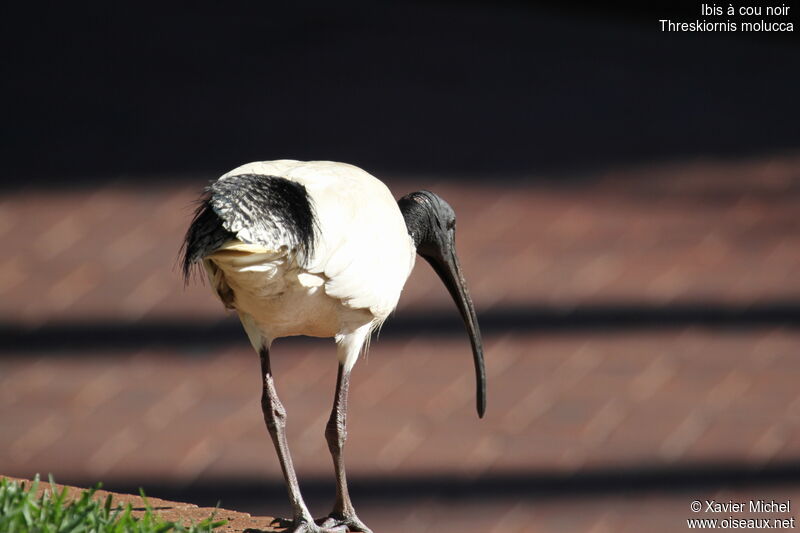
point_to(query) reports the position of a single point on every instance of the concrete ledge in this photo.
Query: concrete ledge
(174, 511)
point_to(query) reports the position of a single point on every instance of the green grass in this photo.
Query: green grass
(21, 511)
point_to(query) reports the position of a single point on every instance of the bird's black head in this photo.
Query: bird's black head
(431, 223)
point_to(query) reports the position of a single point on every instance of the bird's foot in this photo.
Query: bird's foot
(307, 526)
(350, 522)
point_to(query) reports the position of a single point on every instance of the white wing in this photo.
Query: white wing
(363, 248)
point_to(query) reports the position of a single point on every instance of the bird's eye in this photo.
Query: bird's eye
(451, 224)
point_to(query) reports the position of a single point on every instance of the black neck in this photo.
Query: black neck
(416, 217)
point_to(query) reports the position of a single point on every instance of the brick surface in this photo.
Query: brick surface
(588, 428)
(692, 238)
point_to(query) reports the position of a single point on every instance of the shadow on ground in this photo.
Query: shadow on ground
(62, 338)
(250, 495)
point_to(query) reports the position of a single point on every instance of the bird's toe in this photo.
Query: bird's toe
(284, 523)
(303, 526)
(349, 523)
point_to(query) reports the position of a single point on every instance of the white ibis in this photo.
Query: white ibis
(320, 249)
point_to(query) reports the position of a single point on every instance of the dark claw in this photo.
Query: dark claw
(304, 527)
(349, 523)
(281, 522)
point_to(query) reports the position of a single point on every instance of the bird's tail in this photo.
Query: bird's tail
(269, 211)
(206, 233)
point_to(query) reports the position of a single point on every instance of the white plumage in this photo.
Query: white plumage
(345, 288)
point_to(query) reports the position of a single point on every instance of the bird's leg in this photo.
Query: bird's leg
(275, 418)
(336, 433)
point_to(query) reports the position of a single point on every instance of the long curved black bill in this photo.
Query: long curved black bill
(449, 270)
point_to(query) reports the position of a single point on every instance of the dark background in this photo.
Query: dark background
(461, 89)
